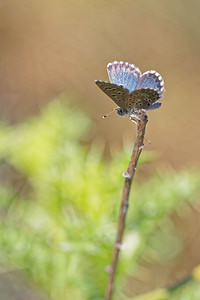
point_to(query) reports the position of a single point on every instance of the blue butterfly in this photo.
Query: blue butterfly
(130, 89)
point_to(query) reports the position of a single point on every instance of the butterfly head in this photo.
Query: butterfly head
(122, 112)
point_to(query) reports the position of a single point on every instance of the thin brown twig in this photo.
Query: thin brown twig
(141, 126)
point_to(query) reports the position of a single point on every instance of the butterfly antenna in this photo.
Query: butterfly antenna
(110, 112)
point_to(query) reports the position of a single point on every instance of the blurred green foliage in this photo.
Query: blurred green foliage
(63, 227)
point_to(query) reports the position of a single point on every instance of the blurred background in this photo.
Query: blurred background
(52, 48)
(48, 47)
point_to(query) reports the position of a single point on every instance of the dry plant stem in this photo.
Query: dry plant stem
(141, 126)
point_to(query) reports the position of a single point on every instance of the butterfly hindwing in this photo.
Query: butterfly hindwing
(141, 99)
(117, 93)
(151, 80)
(155, 105)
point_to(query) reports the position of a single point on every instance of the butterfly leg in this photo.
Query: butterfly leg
(132, 120)
(134, 117)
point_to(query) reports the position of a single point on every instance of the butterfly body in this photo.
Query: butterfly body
(130, 89)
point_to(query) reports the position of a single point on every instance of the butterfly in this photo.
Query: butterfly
(130, 89)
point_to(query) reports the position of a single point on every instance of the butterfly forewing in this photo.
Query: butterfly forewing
(141, 99)
(124, 73)
(117, 93)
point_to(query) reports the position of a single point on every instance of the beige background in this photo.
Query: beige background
(50, 47)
